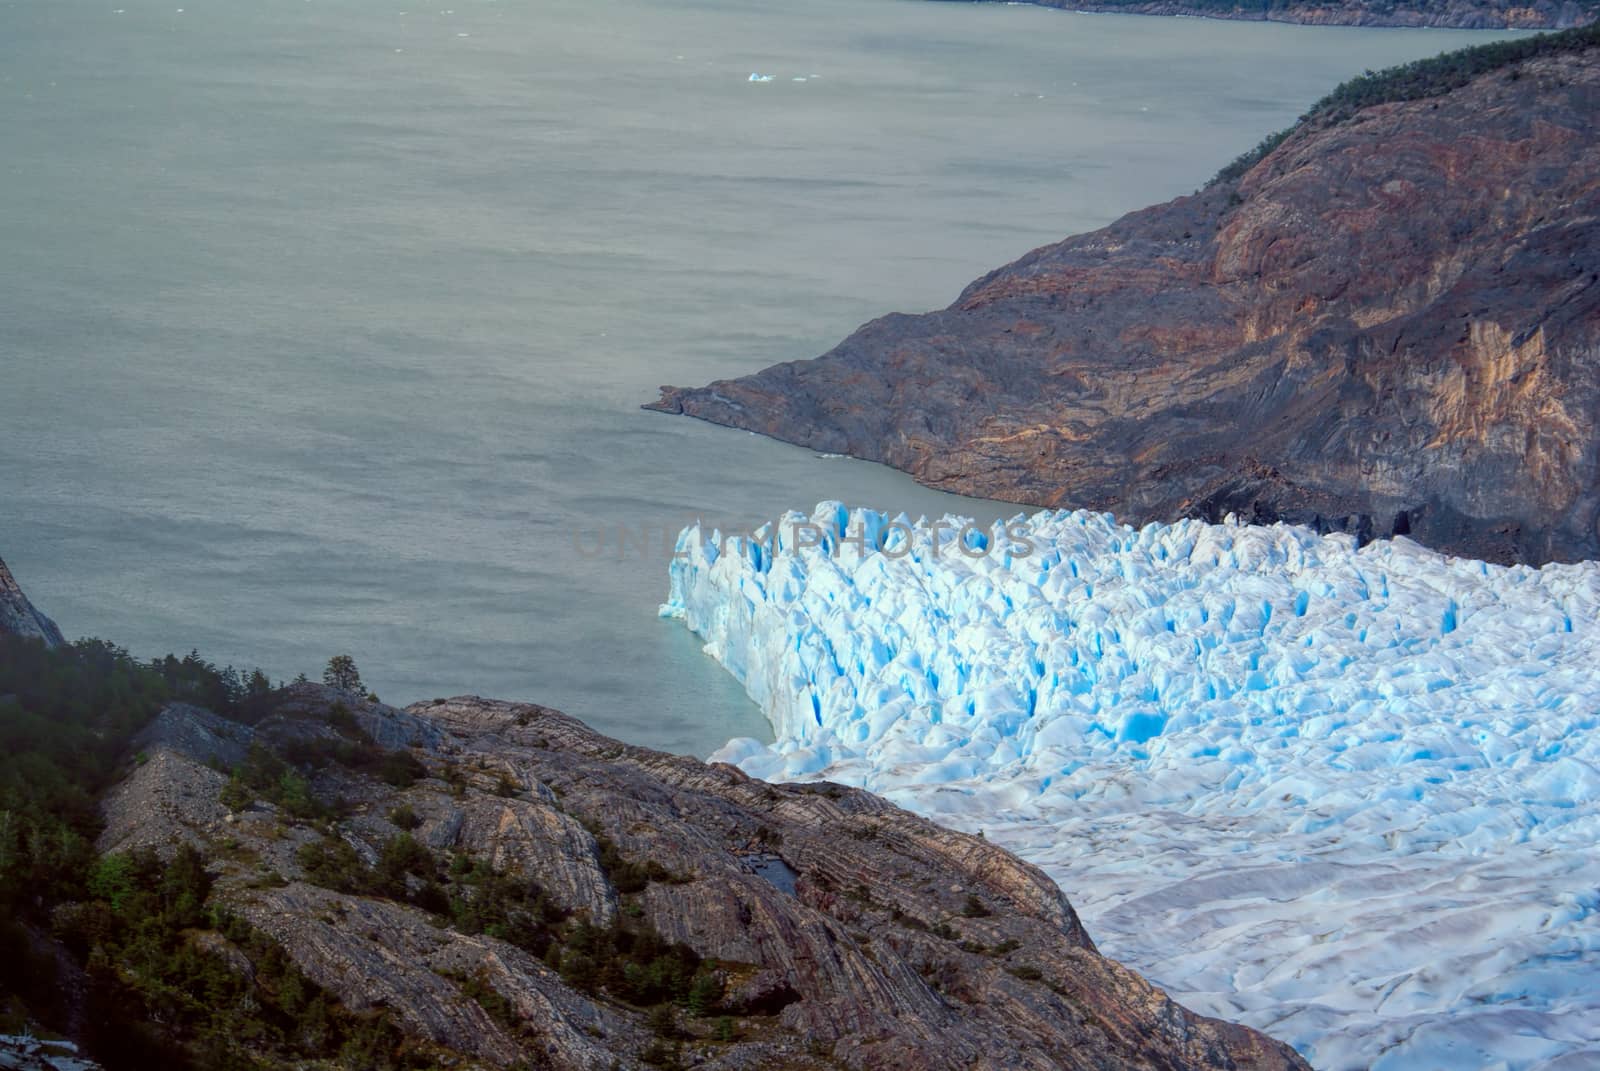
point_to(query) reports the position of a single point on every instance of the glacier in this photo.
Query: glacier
(1347, 795)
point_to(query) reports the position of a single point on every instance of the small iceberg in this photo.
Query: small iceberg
(754, 77)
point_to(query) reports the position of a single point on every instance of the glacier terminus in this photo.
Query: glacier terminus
(1347, 795)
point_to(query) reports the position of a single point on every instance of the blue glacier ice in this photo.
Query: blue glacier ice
(1347, 795)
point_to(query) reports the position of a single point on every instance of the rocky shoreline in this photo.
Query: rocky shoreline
(1388, 324)
(1449, 14)
(483, 884)
(844, 931)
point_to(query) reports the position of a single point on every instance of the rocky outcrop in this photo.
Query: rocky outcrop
(380, 954)
(18, 616)
(847, 932)
(23, 1052)
(1460, 14)
(1390, 324)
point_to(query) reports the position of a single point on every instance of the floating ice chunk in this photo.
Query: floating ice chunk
(754, 77)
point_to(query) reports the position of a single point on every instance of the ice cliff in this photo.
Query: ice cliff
(1346, 795)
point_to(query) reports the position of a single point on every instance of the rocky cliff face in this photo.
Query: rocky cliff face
(1462, 14)
(845, 932)
(18, 616)
(1390, 324)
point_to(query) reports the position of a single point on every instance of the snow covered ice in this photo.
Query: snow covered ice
(1348, 796)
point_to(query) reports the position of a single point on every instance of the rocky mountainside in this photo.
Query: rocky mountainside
(17, 615)
(825, 928)
(1462, 14)
(1388, 323)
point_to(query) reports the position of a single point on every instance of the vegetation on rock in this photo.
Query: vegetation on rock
(1469, 14)
(1418, 80)
(342, 884)
(160, 975)
(341, 673)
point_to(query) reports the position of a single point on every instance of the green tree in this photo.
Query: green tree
(405, 817)
(114, 880)
(236, 795)
(343, 675)
(704, 994)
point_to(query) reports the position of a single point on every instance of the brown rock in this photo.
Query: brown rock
(1391, 324)
(1462, 14)
(840, 925)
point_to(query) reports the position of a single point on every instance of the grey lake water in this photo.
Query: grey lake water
(324, 323)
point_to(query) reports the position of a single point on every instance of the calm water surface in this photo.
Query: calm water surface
(324, 323)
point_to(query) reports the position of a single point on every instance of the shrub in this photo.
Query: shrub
(1419, 80)
(402, 855)
(293, 795)
(404, 817)
(157, 996)
(342, 719)
(490, 999)
(629, 876)
(705, 993)
(236, 795)
(662, 1055)
(267, 775)
(401, 769)
(333, 864)
(664, 1022)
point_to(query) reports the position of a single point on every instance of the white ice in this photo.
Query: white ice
(1348, 796)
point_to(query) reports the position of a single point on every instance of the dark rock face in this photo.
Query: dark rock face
(867, 953)
(18, 616)
(1391, 324)
(1461, 14)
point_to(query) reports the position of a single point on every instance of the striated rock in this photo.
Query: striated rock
(532, 836)
(169, 799)
(18, 616)
(386, 726)
(846, 932)
(197, 733)
(378, 954)
(1390, 324)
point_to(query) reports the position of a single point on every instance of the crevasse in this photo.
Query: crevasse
(1348, 795)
